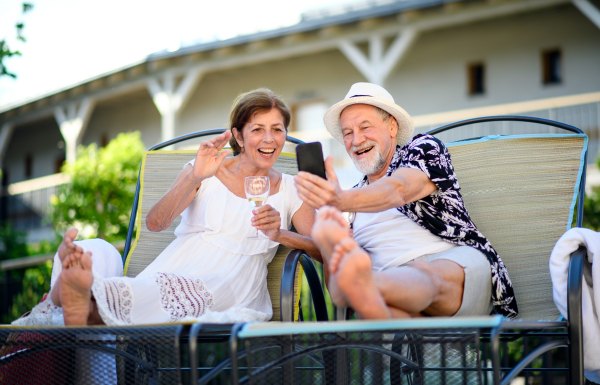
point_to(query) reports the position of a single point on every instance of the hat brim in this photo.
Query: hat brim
(406, 126)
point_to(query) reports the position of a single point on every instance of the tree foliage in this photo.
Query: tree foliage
(34, 282)
(102, 187)
(22, 288)
(5, 51)
(12, 242)
(591, 208)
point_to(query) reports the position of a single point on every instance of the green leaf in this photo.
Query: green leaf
(102, 187)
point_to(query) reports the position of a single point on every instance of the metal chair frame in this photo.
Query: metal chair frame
(579, 267)
(197, 333)
(295, 256)
(207, 333)
(193, 334)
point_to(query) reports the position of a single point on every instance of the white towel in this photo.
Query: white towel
(106, 260)
(559, 271)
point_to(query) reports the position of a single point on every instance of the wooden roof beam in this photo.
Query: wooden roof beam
(170, 98)
(72, 120)
(588, 10)
(377, 67)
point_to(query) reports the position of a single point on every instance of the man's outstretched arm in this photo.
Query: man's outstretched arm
(405, 185)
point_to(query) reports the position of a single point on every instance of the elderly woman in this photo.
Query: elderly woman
(211, 268)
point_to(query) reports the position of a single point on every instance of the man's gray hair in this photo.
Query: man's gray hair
(382, 114)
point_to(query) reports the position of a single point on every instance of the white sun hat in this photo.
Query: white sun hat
(374, 95)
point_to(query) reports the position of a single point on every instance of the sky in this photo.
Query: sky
(71, 40)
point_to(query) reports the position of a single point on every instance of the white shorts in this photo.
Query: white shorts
(477, 293)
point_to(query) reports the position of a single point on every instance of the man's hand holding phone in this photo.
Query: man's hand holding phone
(318, 192)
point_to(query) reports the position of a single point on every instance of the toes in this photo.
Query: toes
(70, 235)
(325, 212)
(339, 218)
(73, 260)
(77, 249)
(345, 246)
(334, 261)
(86, 261)
(66, 263)
(333, 214)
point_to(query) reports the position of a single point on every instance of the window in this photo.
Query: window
(28, 166)
(307, 122)
(58, 163)
(308, 116)
(551, 66)
(476, 76)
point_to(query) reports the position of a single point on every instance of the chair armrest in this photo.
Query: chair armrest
(577, 267)
(287, 286)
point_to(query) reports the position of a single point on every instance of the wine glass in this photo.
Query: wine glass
(257, 191)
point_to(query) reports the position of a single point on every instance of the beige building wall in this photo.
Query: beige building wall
(431, 78)
(134, 111)
(40, 140)
(321, 76)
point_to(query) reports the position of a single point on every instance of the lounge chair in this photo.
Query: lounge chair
(521, 191)
(150, 353)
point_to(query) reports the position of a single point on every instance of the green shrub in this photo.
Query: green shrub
(12, 242)
(100, 194)
(36, 282)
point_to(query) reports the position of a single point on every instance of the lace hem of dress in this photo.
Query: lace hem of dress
(231, 315)
(114, 298)
(183, 297)
(46, 313)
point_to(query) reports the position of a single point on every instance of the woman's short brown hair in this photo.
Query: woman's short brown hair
(249, 103)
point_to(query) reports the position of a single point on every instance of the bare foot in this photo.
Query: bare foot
(75, 292)
(67, 246)
(345, 246)
(355, 280)
(328, 212)
(329, 229)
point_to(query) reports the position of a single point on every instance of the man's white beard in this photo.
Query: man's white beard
(370, 164)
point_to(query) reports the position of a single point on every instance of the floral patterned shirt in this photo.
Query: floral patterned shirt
(444, 212)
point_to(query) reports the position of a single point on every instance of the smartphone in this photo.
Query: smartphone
(310, 158)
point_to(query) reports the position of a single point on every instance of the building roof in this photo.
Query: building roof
(317, 29)
(314, 20)
(310, 21)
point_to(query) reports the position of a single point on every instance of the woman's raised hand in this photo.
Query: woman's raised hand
(208, 159)
(267, 220)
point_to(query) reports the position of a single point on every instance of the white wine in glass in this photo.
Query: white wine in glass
(257, 201)
(257, 191)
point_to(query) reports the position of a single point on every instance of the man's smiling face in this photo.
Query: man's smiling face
(369, 140)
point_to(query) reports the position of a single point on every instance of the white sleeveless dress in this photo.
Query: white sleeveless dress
(210, 273)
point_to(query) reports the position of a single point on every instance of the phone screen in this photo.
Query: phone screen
(310, 158)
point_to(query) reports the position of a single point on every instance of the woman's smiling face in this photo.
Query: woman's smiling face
(263, 137)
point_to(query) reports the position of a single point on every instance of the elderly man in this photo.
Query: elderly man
(413, 249)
